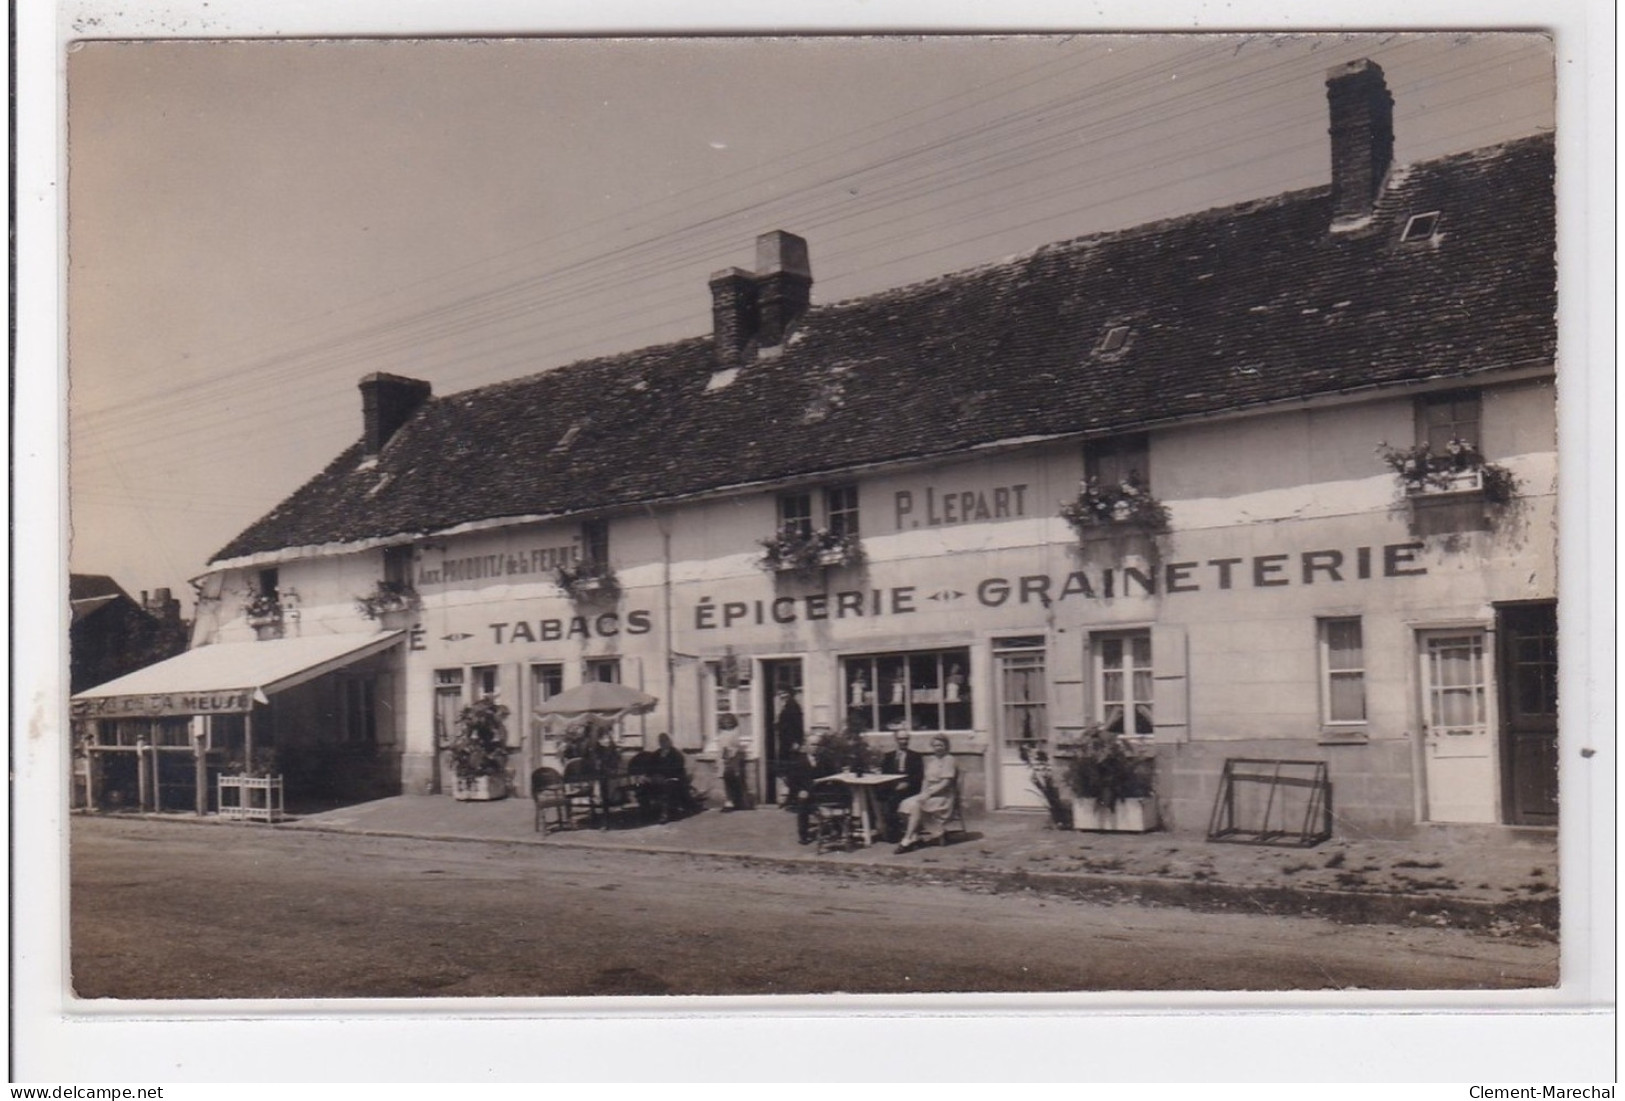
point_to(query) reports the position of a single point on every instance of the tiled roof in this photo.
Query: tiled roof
(1228, 308)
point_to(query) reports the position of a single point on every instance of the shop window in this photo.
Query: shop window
(607, 670)
(1342, 671)
(923, 690)
(1122, 682)
(1119, 460)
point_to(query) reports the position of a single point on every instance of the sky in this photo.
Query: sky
(255, 225)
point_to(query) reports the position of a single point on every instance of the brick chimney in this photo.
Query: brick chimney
(733, 313)
(1362, 130)
(783, 285)
(387, 403)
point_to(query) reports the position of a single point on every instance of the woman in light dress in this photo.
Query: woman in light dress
(929, 811)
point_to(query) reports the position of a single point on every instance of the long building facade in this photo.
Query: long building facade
(1274, 482)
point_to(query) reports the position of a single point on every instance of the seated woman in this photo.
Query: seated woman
(929, 811)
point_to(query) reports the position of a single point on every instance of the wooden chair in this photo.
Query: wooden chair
(581, 791)
(831, 819)
(547, 791)
(955, 822)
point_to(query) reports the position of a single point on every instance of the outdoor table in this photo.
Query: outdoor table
(865, 791)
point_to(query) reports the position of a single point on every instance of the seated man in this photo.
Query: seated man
(800, 781)
(668, 780)
(911, 766)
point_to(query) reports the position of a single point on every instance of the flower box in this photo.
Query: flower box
(1136, 815)
(1455, 481)
(588, 582)
(804, 553)
(1106, 508)
(252, 799)
(479, 789)
(392, 603)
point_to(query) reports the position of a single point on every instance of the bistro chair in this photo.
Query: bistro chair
(581, 790)
(955, 822)
(547, 791)
(832, 820)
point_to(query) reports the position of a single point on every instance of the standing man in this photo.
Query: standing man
(911, 766)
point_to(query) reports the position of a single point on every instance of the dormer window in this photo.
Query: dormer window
(1420, 227)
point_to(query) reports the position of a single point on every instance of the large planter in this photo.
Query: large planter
(1128, 816)
(479, 789)
(250, 798)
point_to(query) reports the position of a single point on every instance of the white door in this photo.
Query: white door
(1021, 695)
(1457, 743)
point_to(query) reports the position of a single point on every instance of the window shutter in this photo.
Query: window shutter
(1069, 701)
(1170, 683)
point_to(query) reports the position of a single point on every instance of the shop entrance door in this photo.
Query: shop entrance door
(1021, 694)
(448, 705)
(1528, 641)
(1457, 745)
(784, 721)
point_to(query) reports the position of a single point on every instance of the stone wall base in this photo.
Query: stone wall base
(1373, 783)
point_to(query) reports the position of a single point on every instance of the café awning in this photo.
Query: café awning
(227, 678)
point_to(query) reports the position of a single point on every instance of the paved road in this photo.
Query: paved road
(170, 910)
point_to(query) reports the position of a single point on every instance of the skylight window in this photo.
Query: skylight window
(1115, 340)
(1421, 226)
(568, 438)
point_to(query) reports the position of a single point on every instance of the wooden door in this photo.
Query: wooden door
(1457, 737)
(1528, 636)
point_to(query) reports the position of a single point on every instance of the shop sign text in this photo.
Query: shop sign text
(486, 567)
(235, 701)
(602, 625)
(937, 507)
(1262, 571)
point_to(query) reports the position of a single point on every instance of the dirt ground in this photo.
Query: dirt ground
(160, 911)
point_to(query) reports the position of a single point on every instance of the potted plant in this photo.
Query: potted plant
(1111, 784)
(479, 751)
(846, 749)
(1105, 506)
(388, 599)
(1042, 775)
(588, 581)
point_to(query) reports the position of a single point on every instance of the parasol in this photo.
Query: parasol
(599, 699)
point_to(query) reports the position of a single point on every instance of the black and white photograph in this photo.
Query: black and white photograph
(817, 520)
